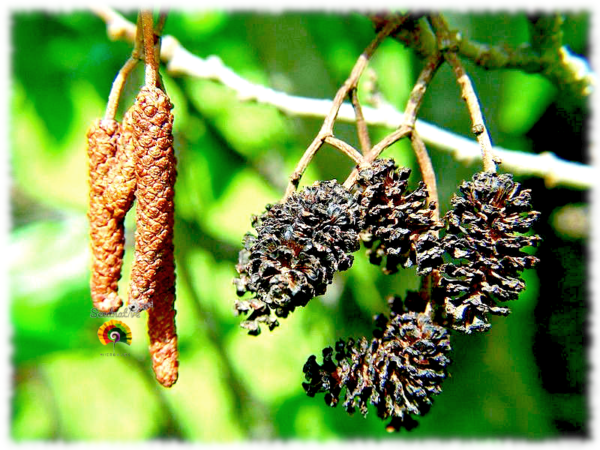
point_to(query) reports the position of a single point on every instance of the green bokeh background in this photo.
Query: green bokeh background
(526, 378)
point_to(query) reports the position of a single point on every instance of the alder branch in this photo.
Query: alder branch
(121, 78)
(447, 45)
(361, 125)
(427, 172)
(151, 73)
(564, 69)
(407, 127)
(554, 170)
(345, 148)
(349, 86)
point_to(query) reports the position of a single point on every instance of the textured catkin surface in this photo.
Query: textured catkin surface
(153, 271)
(106, 232)
(120, 186)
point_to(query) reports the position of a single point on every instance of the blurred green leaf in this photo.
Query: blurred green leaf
(31, 397)
(525, 97)
(202, 403)
(102, 398)
(229, 217)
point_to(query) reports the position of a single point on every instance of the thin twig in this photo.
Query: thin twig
(180, 62)
(425, 294)
(303, 164)
(432, 64)
(160, 23)
(345, 148)
(402, 132)
(566, 71)
(158, 31)
(117, 88)
(427, 172)
(151, 64)
(361, 125)
(447, 45)
(390, 139)
(470, 97)
(121, 78)
(410, 116)
(350, 84)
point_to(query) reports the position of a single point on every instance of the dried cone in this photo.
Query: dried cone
(486, 237)
(399, 371)
(106, 232)
(399, 225)
(300, 245)
(153, 271)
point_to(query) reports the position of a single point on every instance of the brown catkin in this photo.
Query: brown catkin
(107, 234)
(120, 189)
(153, 271)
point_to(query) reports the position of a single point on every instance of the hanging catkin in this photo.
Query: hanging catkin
(120, 189)
(153, 271)
(107, 234)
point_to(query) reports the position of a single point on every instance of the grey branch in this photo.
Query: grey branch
(179, 61)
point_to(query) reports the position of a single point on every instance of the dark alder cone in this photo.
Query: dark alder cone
(485, 236)
(398, 371)
(106, 232)
(153, 270)
(399, 225)
(299, 246)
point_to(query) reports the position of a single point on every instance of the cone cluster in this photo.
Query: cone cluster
(474, 257)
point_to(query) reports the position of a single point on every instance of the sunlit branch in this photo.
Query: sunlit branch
(180, 62)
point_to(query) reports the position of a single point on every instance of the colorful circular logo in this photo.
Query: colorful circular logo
(114, 331)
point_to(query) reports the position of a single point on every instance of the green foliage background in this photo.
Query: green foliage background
(233, 158)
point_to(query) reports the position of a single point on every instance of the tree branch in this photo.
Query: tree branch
(427, 172)
(121, 78)
(410, 116)
(564, 69)
(447, 44)
(151, 64)
(554, 170)
(349, 86)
